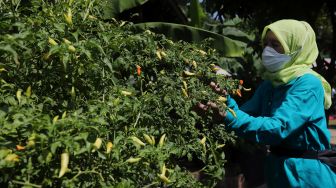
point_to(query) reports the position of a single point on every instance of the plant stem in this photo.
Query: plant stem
(149, 185)
(87, 172)
(26, 184)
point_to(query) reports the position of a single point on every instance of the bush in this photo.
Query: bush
(116, 105)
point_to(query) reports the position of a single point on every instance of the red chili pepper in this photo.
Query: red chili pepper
(138, 70)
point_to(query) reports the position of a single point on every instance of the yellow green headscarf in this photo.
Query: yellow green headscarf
(293, 36)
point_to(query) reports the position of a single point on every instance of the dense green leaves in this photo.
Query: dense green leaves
(66, 84)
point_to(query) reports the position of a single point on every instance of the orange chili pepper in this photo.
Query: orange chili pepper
(138, 70)
(241, 82)
(19, 147)
(238, 93)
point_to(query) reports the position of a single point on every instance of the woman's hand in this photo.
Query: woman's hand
(215, 87)
(231, 103)
(218, 116)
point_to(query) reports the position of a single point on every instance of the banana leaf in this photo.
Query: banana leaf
(196, 14)
(228, 47)
(114, 7)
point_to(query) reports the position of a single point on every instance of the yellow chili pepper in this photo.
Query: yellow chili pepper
(164, 178)
(133, 160)
(18, 95)
(31, 143)
(220, 146)
(185, 85)
(28, 91)
(97, 144)
(232, 112)
(66, 41)
(55, 119)
(148, 139)
(64, 164)
(52, 41)
(137, 141)
(109, 147)
(203, 143)
(153, 140)
(73, 92)
(170, 42)
(185, 93)
(71, 48)
(92, 17)
(187, 73)
(64, 114)
(158, 54)
(203, 140)
(163, 54)
(194, 63)
(148, 32)
(68, 17)
(31, 140)
(49, 157)
(222, 99)
(203, 53)
(12, 157)
(126, 93)
(162, 138)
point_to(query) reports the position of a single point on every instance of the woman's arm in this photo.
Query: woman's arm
(303, 100)
(253, 105)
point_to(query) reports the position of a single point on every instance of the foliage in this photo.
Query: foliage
(75, 85)
(225, 45)
(196, 14)
(114, 7)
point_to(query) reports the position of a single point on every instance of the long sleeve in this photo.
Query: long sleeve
(253, 106)
(302, 100)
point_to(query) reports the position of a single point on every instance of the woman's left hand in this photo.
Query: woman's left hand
(218, 116)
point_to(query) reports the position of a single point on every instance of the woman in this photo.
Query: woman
(287, 110)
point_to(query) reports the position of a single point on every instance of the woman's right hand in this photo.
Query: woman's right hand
(231, 103)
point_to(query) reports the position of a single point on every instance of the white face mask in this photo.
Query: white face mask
(273, 60)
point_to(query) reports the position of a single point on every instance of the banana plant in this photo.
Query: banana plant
(115, 7)
(226, 46)
(230, 41)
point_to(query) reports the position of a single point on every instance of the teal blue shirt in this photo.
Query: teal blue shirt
(292, 116)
